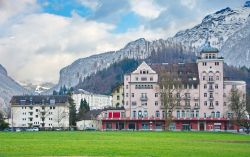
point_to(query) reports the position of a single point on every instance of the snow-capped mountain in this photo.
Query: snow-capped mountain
(217, 27)
(37, 88)
(237, 48)
(8, 88)
(139, 49)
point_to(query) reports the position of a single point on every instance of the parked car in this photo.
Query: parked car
(8, 129)
(32, 129)
(18, 130)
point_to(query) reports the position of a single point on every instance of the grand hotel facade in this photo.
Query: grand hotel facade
(203, 101)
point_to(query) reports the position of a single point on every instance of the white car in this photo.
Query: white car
(32, 129)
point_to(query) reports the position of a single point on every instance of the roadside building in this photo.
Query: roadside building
(40, 111)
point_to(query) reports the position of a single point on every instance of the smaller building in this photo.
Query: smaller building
(90, 121)
(95, 101)
(118, 96)
(40, 111)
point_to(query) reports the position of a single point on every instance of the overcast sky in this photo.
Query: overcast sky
(38, 38)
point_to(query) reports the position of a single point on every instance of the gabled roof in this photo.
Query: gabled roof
(186, 72)
(144, 66)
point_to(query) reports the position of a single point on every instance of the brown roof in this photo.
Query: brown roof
(186, 72)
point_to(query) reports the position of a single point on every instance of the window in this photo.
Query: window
(204, 63)
(212, 114)
(143, 78)
(183, 114)
(52, 101)
(151, 78)
(225, 104)
(156, 94)
(204, 78)
(36, 110)
(211, 95)
(36, 116)
(133, 103)
(197, 114)
(139, 114)
(178, 114)
(217, 78)
(216, 103)
(217, 114)
(156, 103)
(157, 114)
(178, 95)
(118, 97)
(217, 63)
(136, 78)
(205, 115)
(205, 86)
(216, 86)
(126, 88)
(133, 95)
(134, 114)
(210, 78)
(205, 94)
(192, 114)
(123, 115)
(126, 94)
(205, 103)
(145, 113)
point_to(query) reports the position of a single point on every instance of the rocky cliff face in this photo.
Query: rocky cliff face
(8, 88)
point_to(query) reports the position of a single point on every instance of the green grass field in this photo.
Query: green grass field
(134, 144)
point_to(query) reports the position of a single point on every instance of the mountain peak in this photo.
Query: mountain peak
(3, 70)
(247, 4)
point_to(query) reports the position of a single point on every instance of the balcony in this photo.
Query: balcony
(210, 81)
(187, 97)
(211, 107)
(187, 106)
(197, 107)
(210, 89)
(178, 107)
(144, 98)
(211, 98)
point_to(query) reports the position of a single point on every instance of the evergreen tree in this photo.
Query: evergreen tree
(61, 91)
(55, 92)
(72, 111)
(3, 124)
(64, 90)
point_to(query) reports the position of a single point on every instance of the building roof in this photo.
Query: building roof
(92, 114)
(187, 73)
(38, 99)
(207, 48)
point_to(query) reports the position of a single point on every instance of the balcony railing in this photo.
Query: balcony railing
(197, 107)
(144, 98)
(210, 81)
(187, 106)
(211, 107)
(211, 98)
(210, 89)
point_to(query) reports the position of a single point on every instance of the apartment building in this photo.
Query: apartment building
(40, 111)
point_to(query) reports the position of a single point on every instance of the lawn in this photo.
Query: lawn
(134, 144)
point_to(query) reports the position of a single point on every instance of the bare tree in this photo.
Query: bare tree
(170, 89)
(238, 107)
(60, 115)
